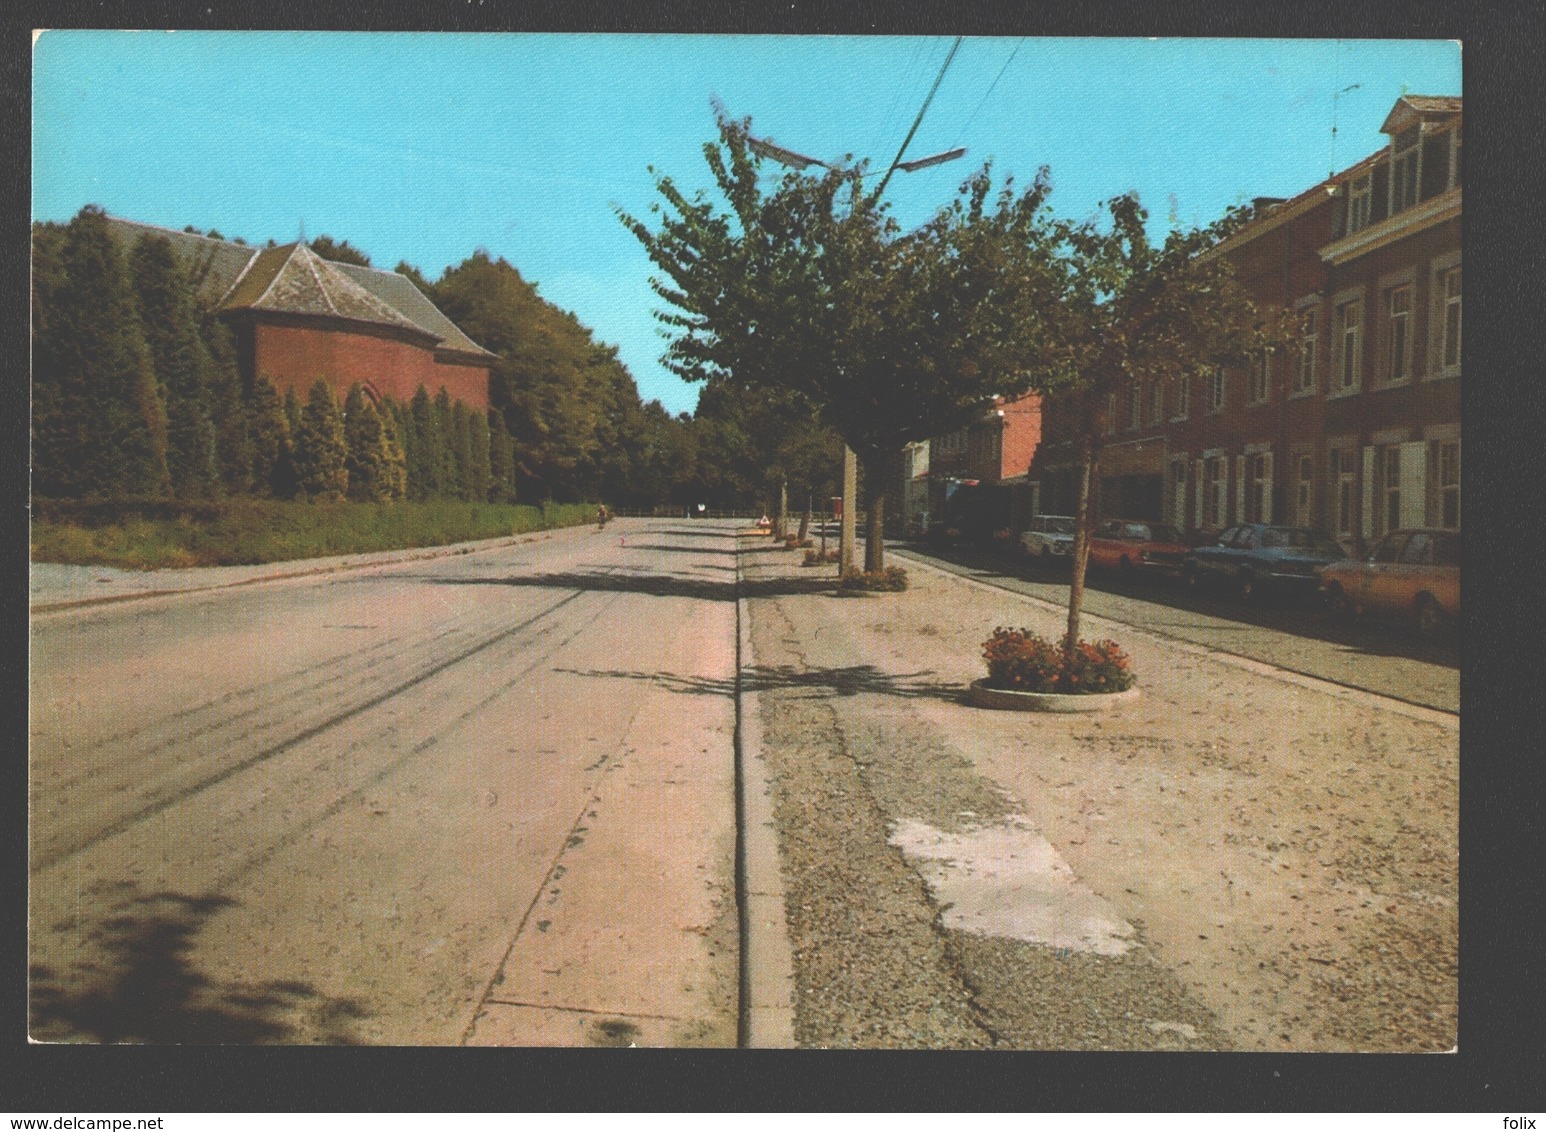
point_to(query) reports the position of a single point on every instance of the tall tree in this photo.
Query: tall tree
(810, 286)
(426, 451)
(369, 457)
(164, 297)
(99, 418)
(501, 460)
(222, 381)
(1149, 311)
(321, 447)
(269, 435)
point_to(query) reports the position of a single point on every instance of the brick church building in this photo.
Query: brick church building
(298, 317)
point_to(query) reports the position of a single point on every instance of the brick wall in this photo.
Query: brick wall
(295, 356)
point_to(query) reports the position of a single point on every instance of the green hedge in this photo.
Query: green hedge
(149, 534)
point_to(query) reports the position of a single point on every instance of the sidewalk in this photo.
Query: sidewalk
(1240, 859)
(53, 585)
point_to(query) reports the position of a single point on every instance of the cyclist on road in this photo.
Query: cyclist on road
(601, 516)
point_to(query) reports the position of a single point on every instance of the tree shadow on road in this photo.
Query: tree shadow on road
(139, 984)
(820, 683)
(652, 584)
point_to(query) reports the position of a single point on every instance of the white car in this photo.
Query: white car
(1049, 538)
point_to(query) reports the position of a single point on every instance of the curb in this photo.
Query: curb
(482, 546)
(767, 1007)
(1444, 718)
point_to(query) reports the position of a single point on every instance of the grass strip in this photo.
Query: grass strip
(151, 534)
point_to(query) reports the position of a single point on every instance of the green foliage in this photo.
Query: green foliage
(157, 534)
(339, 251)
(180, 361)
(321, 447)
(368, 457)
(1022, 661)
(99, 417)
(273, 469)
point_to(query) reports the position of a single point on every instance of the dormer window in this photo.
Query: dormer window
(1359, 198)
(1405, 151)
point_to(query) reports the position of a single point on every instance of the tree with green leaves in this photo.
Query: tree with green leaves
(1147, 311)
(227, 411)
(339, 251)
(809, 286)
(164, 299)
(321, 446)
(99, 416)
(501, 460)
(426, 452)
(369, 457)
(269, 435)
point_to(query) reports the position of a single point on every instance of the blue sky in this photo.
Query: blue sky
(425, 147)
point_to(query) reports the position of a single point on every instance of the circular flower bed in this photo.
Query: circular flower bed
(1027, 671)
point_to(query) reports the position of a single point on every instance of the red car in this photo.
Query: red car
(1127, 545)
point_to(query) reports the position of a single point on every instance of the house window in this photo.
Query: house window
(1398, 337)
(1156, 402)
(1134, 406)
(1257, 485)
(1390, 486)
(1358, 203)
(1178, 492)
(1304, 493)
(1309, 336)
(1259, 375)
(1213, 492)
(1111, 414)
(1446, 458)
(1343, 482)
(1216, 389)
(1403, 169)
(1350, 341)
(1449, 294)
(1183, 397)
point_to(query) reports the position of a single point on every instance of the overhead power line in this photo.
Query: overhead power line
(918, 121)
(983, 101)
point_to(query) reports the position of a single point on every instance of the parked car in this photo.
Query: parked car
(1049, 538)
(1254, 556)
(1411, 573)
(1126, 545)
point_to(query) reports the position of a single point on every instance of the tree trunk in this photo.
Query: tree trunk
(1081, 554)
(805, 520)
(845, 553)
(781, 528)
(875, 506)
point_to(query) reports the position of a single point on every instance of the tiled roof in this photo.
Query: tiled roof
(213, 265)
(1432, 103)
(400, 292)
(293, 279)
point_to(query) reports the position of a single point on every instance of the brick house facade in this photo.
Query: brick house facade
(297, 317)
(1357, 429)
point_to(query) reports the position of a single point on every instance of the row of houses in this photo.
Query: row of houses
(1355, 433)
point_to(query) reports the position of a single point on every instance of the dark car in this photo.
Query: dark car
(1126, 545)
(1255, 556)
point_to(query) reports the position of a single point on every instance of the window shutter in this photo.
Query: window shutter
(1239, 489)
(1178, 505)
(1414, 484)
(1366, 515)
(1197, 490)
(1266, 490)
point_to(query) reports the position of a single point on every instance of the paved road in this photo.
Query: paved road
(454, 801)
(1289, 633)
